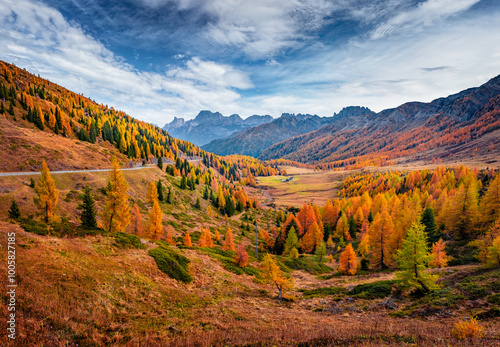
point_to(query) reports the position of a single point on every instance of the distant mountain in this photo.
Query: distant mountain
(411, 128)
(208, 126)
(253, 141)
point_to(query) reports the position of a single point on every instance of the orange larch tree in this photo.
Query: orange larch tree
(348, 261)
(229, 241)
(241, 257)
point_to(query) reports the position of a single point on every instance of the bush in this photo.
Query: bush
(467, 329)
(322, 292)
(171, 263)
(373, 290)
(124, 240)
(472, 291)
(311, 266)
(32, 226)
(494, 299)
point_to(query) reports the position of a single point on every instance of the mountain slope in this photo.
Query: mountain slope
(208, 126)
(254, 140)
(413, 127)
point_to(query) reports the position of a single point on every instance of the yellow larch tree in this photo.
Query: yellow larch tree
(152, 193)
(379, 233)
(272, 274)
(46, 194)
(116, 214)
(155, 227)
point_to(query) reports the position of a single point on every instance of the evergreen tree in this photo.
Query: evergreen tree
(11, 109)
(46, 194)
(205, 193)
(429, 223)
(88, 215)
(353, 227)
(413, 260)
(2, 108)
(160, 163)
(169, 196)
(159, 188)
(197, 204)
(14, 211)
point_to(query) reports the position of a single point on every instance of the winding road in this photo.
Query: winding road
(3, 174)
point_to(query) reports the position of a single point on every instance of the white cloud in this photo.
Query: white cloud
(260, 28)
(425, 14)
(37, 37)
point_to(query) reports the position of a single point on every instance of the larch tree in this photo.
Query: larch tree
(169, 238)
(116, 214)
(272, 274)
(187, 240)
(308, 240)
(490, 203)
(154, 227)
(464, 214)
(440, 259)
(292, 241)
(135, 226)
(484, 242)
(46, 194)
(493, 259)
(348, 261)
(342, 228)
(152, 193)
(89, 213)
(229, 241)
(320, 252)
(413, 260)
(241, 257)
(379, 233)
(306, 218)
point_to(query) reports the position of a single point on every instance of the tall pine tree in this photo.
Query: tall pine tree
(88, 215)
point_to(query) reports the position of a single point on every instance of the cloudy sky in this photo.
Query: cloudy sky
(156, 59)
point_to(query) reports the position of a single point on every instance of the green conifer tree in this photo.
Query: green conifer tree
(292, 241)
(88, 215)
(159, 188)
(14, 211)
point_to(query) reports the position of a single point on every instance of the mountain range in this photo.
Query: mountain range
(413, 127)
(208, 126)
(354, 132)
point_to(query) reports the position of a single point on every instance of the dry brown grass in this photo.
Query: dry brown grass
(23, 147)
(83, 291)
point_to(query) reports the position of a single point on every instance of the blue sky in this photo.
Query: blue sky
(156, 59)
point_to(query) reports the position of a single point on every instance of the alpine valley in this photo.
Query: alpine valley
(360, 229)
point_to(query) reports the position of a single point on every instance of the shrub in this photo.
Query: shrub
(32, 226)
(322, 292)
(124, 240)
(171, 263)
(494, 299)
(467, 329)
(312, 267)
(373, 290)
